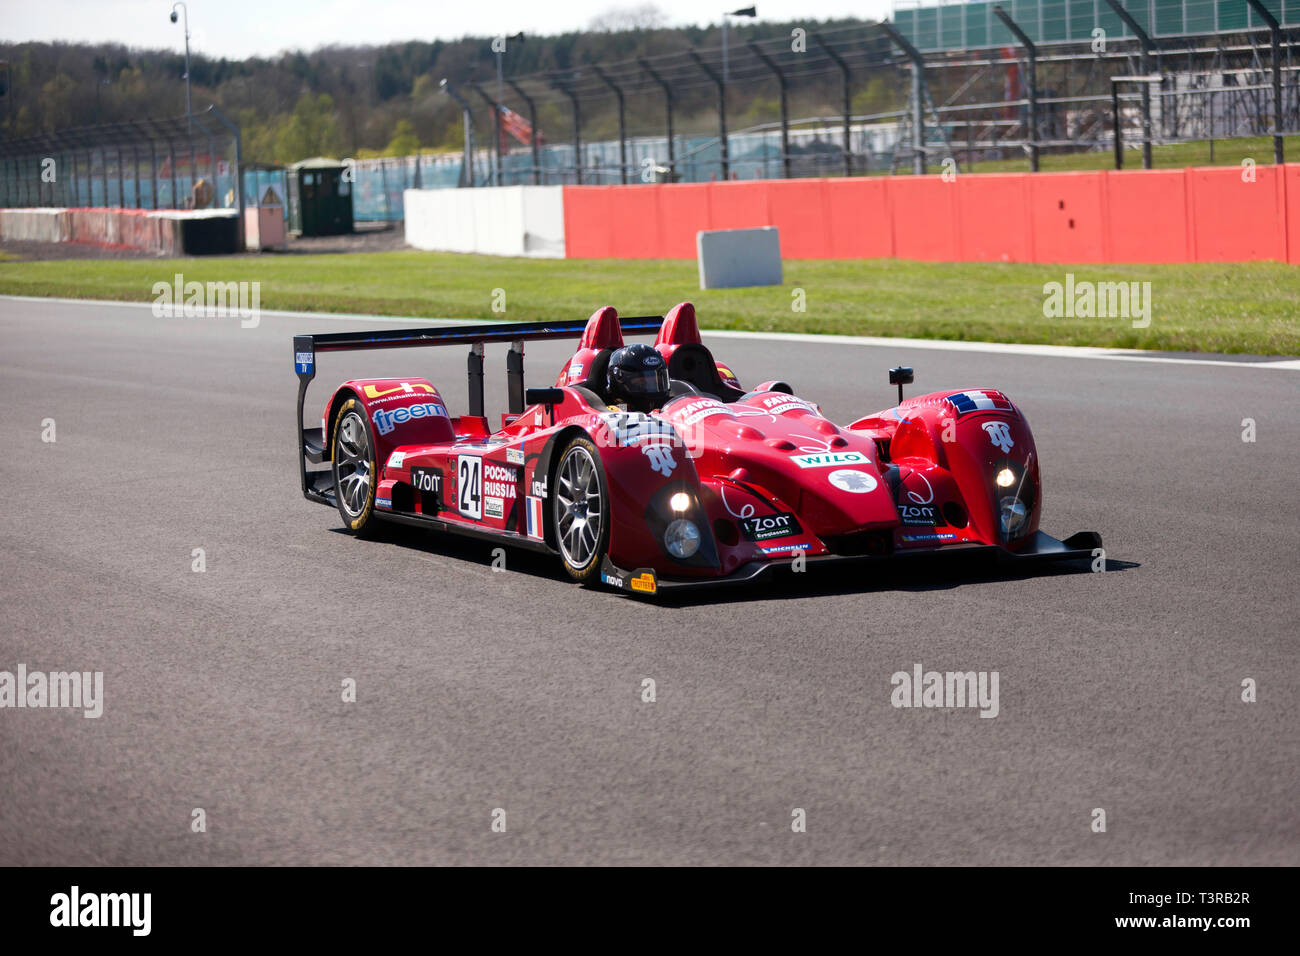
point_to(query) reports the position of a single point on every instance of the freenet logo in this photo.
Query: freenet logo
(103, 909)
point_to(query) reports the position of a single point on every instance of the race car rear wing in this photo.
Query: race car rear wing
(312, 442)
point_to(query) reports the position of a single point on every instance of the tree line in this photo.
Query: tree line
(385, 100)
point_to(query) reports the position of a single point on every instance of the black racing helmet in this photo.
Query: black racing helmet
(637, 377)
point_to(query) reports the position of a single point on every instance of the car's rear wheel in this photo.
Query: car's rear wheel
(580, 510)
(355, 472)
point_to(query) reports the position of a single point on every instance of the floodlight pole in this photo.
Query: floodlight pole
(185, 13)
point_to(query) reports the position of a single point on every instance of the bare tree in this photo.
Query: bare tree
(640, 16)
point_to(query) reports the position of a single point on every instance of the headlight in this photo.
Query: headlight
(682, 539)
(680, 501)
(1006, 478)
(1012, 515)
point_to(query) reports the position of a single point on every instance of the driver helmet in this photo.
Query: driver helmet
(637, 377)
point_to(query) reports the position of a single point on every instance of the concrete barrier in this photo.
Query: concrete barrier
(494, 221)
(166, 232)
(739, 258)
(1219, 214)
(34, 225)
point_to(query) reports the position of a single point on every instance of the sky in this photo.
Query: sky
(242, 28)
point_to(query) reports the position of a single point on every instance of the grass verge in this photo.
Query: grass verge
(1249, 308)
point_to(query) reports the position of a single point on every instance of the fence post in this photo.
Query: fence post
(532, 119)
(918, 87)
(785, 115)
(1032, 54)
(668, 105)
(622, 126)
(1275, 42)
(722, 111)
(844, 90)
(1147, 46)
(577, 128)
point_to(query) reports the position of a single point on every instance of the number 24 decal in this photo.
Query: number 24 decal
(469, 471)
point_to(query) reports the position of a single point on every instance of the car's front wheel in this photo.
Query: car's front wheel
(580, 510)
(355, 471)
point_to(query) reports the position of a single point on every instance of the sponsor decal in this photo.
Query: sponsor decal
(661, 458)
(304, 361)
(645, 582)
(575, 371)
(827, 459)
(920, 514)
(763, 527)
(537, 419)
(999, 435)
(397, 459)
(533, 510)
(980, 401)
(469, 485)
(941, 536)
(786, 548)
(727, 374)
(778, 404)
(540, 489)
(697, 411)
(397, 391)
(386, 421)
(652, 361)
(499, 481)
(851, 480)
(494, 508)
(628, 428)
(916, 497)
(427, 480)
(385, 503)
(612, 580)
(515, 456)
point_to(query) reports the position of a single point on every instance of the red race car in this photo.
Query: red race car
(652, 467)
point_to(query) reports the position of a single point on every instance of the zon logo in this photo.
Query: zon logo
(426, 479)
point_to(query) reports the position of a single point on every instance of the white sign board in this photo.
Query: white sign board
(736, 258)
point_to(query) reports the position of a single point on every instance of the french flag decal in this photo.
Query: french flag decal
(979, 402)
(534, 509)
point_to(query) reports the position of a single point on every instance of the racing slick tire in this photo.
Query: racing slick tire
(355, 471)
(580, 510)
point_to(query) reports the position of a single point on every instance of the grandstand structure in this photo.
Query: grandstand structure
(1093, 74)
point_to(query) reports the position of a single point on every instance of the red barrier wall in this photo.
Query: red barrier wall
(1176, 215)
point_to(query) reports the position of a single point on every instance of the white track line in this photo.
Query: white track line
(942, 345)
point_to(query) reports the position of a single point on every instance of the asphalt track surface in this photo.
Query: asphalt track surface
(518, 690)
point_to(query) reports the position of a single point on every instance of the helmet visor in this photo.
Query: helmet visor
(643, 381)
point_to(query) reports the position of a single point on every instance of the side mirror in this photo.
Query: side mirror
(543, 396)
(900, 376)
